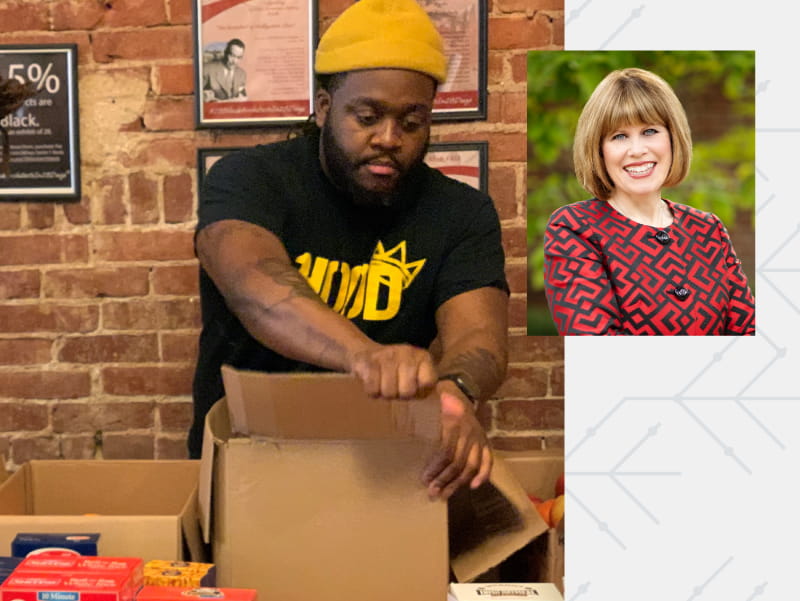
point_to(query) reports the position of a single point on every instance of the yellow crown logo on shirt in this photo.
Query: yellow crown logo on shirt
(397, 258)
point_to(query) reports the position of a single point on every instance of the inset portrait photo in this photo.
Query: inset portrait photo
(641, 193)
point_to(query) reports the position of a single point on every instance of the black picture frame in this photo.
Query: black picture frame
(206, 157)
(266, 36)
(471, 16)
(464, 170)
(43, 133)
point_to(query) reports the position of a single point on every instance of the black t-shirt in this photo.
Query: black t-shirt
(387, 270)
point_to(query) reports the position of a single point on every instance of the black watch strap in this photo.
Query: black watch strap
(459, 381)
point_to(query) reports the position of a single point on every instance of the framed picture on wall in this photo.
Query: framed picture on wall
(206, 157)
(253, 62)
(39, 132)
(464, 161)
(463, 26)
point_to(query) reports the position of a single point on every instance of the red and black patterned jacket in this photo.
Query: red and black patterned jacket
(608, 275)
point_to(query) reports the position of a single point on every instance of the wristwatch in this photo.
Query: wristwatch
(459, 381)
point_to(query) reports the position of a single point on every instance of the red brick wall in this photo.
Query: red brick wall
(99, 311)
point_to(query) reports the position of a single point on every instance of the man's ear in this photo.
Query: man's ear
(322, 104)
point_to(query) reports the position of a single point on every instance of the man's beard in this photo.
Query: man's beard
(342, 172)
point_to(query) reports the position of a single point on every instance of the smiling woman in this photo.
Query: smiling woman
(629, 262)
(638, 159)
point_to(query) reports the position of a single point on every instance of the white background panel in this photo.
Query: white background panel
(683, 454)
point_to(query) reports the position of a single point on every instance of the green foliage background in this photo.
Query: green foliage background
(722, 175)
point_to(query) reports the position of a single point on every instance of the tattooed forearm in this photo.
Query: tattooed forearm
(274, 302)
(482, 370)
(287, 276)
(250, 267)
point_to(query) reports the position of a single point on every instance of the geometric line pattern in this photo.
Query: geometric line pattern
(635, 14)
(766, 272)
(698, 590)
(708, 383)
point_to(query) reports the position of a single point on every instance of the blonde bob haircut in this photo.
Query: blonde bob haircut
(627, 97)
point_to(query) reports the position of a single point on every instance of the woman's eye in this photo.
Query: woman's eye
(618, 136)
(650, 131)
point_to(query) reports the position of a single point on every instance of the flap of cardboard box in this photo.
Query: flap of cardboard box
(321, 406)
(537, 471)
(216, 421)
(490, 523)
(3, 473)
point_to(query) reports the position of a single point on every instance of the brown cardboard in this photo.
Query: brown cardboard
(537, 471)
(3, 473)
(551, 562)
(284, 405)
(322, 517)
(323, 498)
(510, 521)
(143, 509)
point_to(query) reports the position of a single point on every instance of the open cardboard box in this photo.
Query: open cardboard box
(311, 490)
(543, 559)
(143, 509)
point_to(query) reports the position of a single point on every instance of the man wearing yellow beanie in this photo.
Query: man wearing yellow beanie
(342, 250)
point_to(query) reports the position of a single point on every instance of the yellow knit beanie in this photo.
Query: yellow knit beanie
(376, 34)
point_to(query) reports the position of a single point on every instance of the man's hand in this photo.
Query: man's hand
(464, 455)
(392, 371)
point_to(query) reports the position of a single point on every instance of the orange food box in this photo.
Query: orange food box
(177, 593)
(179, 573)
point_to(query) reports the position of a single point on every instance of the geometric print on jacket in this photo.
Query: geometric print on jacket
(608, 275)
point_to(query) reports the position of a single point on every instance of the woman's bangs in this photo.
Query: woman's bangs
(629, 108)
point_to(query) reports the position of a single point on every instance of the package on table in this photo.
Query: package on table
(159, 572)
(82, 543)
(65, 563)
(504, 591)
(69, 586)
(7, 565)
